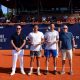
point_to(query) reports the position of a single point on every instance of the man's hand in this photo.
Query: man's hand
(55, 42)
(38, 44)
(17, 49)
(35, 45)
(47, 42)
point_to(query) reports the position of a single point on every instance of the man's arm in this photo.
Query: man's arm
(13, 44)
(73, 42)
(42, 40)
(23, 44)
(60, 42)
(74, 46)
(57, 39)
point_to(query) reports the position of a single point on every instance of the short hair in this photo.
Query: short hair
(52, 23)
(65, 26)
(19, 25)
(35, 25)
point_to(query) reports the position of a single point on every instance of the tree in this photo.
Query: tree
(1, 13)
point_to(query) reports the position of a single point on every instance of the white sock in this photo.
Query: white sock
(31, 69)
(13, 70)
(62, 69)
(54, 68)
(46, 68)
(38, 69)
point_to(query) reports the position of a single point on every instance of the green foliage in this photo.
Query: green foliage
(8, 15)
(1, 13)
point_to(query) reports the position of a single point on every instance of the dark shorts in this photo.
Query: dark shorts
(48, 52)
(35, 53)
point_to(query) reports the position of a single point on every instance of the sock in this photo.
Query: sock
(71, 70)
(62, 69)
(54, 68)
(31, 69)
(46, 68)
(38, 69)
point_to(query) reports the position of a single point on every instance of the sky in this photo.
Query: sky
(4, 9)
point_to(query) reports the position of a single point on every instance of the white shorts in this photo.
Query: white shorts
(66, 53)
(20, 53)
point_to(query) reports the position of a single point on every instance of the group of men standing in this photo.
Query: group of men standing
(35, 39)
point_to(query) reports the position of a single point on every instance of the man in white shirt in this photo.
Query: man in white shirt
(36, 39)
(51, 41)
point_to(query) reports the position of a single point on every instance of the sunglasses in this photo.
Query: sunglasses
(18, 28)
(65, 28)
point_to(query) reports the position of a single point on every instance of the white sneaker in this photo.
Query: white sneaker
(23, 72)
(12, 73)
(62, 72)
(39, 73)
(30, 73)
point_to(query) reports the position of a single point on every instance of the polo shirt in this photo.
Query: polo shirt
(18, 39)
(66, 38)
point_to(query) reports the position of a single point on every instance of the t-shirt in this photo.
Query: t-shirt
(18, 39)
(35, 39)
(66, 38)
(51, 37)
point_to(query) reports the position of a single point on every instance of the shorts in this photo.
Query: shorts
(66, 53)
(48, 52)
(35, 53)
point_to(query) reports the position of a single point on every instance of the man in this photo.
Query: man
(51, 41)
(36, 38)
(18, 41)
(66, 42)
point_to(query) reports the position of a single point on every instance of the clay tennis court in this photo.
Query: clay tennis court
(6, 64)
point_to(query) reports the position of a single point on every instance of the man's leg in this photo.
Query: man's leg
(47, 64)
(63, 66)
(38, 55)
(21, 61)
(70, 61)
(38, 65)
(47, 55)
(31, 62)
(70, 64)
(63, 61)
(15, 57)
(55, 64)
(54, 54)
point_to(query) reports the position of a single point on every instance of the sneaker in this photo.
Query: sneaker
(23, 72)
(71, 73)
(30, 73)
(12, 73)
(46, 72)
(54, 72)
(38, 73)
(62, 72)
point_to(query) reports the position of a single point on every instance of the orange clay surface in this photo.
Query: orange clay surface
(6, 64)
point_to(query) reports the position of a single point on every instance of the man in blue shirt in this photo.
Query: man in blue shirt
(67, 43)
